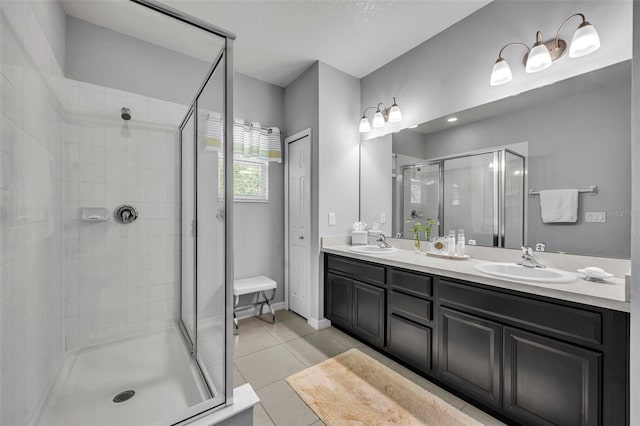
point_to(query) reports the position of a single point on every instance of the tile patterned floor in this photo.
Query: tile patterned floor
(266, 354)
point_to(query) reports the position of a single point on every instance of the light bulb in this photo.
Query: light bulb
(394, 113)
(539, 58)
(584, 41)
(378, 119)
(501, 73)
(364, 125)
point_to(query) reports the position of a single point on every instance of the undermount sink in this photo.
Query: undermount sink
(521, 273)
(373, 249)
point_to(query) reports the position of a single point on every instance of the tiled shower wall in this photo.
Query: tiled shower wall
(31, 281)
(121, 280)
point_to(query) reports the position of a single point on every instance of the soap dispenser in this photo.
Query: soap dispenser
(460, 245)
(451, 243)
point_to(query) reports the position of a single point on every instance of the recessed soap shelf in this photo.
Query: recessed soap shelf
(94, 214)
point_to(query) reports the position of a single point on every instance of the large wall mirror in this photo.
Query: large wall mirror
(483, 171)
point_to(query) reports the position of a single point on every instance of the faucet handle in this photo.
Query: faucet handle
(527, 251)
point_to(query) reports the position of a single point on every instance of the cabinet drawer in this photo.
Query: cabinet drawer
(411, 307)
(563, 320)
(359, 270)
(410, 342)
(412, 283)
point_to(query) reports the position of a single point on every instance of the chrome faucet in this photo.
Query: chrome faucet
(382, 241)
(527, 260)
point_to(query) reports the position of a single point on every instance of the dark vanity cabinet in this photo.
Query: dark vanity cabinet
(550, 382)
(356, 305)
(410, 319)
(470, 355)
(526, 359)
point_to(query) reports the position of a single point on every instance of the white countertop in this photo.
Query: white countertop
(609, 295)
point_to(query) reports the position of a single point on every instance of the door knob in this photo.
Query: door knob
(301, 237)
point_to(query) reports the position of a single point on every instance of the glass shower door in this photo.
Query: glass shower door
(470, 197)
(514, 174)
(204, 296)
(421, 195)
(187, 224)
(211, 237)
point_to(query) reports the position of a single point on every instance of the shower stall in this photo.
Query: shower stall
(116, 214)
(482, 193)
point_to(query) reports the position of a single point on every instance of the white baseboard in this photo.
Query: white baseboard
(278, 306)
(319, 324)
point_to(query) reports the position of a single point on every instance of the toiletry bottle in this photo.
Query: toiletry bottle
(451, 243)
(460, 245)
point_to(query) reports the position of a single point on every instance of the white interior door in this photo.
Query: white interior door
(299, 213)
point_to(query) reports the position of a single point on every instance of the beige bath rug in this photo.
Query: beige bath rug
(354, 389)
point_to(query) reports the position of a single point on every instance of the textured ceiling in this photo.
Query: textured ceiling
(278, 40)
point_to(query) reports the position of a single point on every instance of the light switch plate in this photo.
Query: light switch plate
(332, 219)
(595, 217)
(383, 217)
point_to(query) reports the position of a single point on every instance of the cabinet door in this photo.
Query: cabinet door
(548, 382)
(368, 312)
(469, 355)
(340, 300)
(410, 342)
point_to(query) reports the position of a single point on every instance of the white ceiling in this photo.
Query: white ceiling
(278, 39)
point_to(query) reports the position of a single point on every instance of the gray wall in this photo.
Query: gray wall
(574, 142)
(408, 143)
(52, 21)
(339, 157)
(107, 58)
(339, 150)
(100, 56)
(259, 227)
(450, 72)
(301, 111)
(635, 222)
(326, 100)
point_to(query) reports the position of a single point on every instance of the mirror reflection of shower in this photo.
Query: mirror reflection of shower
(482, 193)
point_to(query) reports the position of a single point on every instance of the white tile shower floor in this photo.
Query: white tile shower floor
(157, 366)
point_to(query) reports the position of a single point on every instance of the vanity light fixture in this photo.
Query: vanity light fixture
(452, 119)
(539, 57)
(381, 116)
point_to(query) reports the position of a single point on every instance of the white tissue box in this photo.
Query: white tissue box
(359, 238)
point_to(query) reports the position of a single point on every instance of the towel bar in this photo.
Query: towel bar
(593, 190)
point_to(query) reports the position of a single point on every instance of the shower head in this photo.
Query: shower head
(125, 113)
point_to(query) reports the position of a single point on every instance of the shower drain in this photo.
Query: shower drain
(124, 396)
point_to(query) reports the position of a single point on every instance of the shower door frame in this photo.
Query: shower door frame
(499, 185)
(228, 209)
(226, 53)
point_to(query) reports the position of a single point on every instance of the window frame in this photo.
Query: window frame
(264, 180)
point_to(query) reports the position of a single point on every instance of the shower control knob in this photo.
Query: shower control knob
(125, 214)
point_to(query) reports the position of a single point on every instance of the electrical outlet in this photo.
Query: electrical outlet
(595, 217)
(383, 217)
(332, 219)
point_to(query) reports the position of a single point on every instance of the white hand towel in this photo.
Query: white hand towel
(559, 206)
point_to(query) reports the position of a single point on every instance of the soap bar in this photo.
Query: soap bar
(359, 238)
